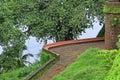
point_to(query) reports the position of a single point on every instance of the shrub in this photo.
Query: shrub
(21, 73)
(114, 73)
(45, 56)
(108, 57)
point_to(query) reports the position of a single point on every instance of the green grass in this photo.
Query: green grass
(91, 65)
(19, 74)
(22, 73)
(45, 56)
(114, 73)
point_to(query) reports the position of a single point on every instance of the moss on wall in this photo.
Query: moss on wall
(115, 21)
(112, 7)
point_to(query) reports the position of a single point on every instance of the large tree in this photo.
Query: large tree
(65, 19)
(55, 19)
(12, 36)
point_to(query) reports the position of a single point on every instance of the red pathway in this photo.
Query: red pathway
(68, 51)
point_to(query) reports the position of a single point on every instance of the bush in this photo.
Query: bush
(114, 73)
(21, 73)
(45, 56)
(108, 57)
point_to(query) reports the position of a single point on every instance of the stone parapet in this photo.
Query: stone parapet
(112, 23)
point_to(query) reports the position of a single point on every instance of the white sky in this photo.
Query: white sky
(91, 32)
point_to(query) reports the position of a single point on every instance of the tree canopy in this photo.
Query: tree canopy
(66, 19)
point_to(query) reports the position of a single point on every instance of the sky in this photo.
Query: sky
(91, 32)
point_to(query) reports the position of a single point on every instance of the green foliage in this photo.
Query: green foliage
(12, 39)
(111, 8)
(101, 32)
(114, 73)
(111, 59)
(115, 69)
(12, 60)
(89, 66)
(24, 73)
(118, 42)
(93, 64)
(115, 21)
(21, 73)
(45, 56)
(108, 56)
(66, 19)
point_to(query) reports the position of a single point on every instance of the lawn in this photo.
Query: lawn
(93, 64)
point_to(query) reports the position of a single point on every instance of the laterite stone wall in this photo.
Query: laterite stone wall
(112, 24)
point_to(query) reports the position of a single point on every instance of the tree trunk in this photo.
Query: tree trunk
(69, 35)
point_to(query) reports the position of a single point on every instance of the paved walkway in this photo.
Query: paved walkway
(68, 55)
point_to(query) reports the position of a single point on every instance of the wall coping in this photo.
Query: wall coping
(70, 42)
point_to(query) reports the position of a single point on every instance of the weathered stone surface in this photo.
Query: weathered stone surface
(112, 26)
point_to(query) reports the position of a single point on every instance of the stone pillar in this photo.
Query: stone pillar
(112, 23)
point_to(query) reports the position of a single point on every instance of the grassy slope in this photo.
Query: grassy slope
(19, 74)
(88, 66)
(22, 73)
(114, 72)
